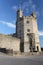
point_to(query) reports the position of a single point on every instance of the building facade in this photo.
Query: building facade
(27, 31)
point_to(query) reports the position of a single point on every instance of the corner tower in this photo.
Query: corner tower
(27, 31)
(18, 23)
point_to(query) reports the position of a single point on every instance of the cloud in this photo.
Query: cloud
(30, 2)
(8, 24)
(33, 8)
(14, 7)
(32, 5)
(37, 13)
(40, 33)
(29, 5)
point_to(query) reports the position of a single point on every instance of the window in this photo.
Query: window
(28, 30)
(27, 21)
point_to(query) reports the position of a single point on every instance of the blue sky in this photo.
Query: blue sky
(8, 10)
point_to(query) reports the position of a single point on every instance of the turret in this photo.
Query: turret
(19, 13)
(34, 14)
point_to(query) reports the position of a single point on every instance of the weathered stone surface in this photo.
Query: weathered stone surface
(9, 42)
(27, 31)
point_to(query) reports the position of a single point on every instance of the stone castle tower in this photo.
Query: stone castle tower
(27, 31)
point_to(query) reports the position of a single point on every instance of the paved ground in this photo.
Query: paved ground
(30, 60)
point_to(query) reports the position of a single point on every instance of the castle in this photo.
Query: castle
(26, 38)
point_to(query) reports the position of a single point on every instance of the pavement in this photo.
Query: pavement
(21, 60)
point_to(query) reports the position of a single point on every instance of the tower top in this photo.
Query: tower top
(34, 14)
(19, 13)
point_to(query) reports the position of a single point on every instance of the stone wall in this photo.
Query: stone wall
(9, 42)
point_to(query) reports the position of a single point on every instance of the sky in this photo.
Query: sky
(8, 16)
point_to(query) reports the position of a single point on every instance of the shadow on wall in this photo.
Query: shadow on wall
(3, 50)
(6, 51)
(42, 49)
(22, 47)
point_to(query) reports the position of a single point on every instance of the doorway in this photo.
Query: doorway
(37, 49)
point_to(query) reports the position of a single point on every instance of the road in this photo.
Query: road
(29, 60)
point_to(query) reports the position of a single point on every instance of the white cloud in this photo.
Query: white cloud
(37, 13)
(33, 8)
(32, 5)
(40, 33)
(14, 7)
(8, 24)
(30, 2)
